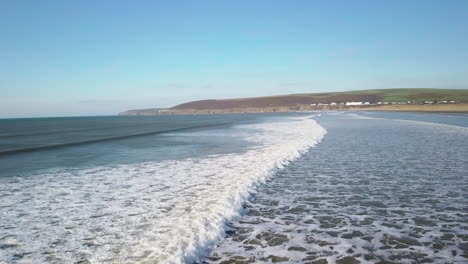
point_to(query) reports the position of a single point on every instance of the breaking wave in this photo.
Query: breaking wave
(160, 212)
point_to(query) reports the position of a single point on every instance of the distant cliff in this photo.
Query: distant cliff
(276, 101)
(150, 111)
(315, 101)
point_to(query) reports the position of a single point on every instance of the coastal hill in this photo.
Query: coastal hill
(385, 98)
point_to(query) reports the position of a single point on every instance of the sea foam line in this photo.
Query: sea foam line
(440, 125)
(173, 211)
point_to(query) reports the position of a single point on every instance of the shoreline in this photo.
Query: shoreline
(461, 108)
(438, 108)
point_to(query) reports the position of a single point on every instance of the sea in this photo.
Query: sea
(316, 187)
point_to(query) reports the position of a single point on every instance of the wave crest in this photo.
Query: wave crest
(172, 211)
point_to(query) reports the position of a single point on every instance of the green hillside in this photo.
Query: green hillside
(408, 94)
(293, 101)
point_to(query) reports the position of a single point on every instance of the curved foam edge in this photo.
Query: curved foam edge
(169, 212)
(447, 126)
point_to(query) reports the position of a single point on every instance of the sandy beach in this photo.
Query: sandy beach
(429, 108)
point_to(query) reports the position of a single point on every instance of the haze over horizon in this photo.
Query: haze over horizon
(96, 58)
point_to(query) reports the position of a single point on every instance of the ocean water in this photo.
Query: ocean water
(135, 189)
(336, 187)
(380, 188)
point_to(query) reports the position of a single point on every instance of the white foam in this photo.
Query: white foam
(165, 212)
(416, 122)
(360, 203)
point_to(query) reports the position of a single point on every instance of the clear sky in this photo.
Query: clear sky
(60, 58)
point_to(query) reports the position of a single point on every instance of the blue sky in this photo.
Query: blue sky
(60, 58)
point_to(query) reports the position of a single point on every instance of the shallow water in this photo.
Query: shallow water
(380, 189)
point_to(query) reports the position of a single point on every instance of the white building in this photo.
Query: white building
(332, 103)
(353, 103)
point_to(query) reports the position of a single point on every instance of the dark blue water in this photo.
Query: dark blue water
(31, 144)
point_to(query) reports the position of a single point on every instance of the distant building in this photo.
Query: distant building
(379, 103)
(353, 103)
(428, 102)
(332, 103)
(367, 103)
(313, 104)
